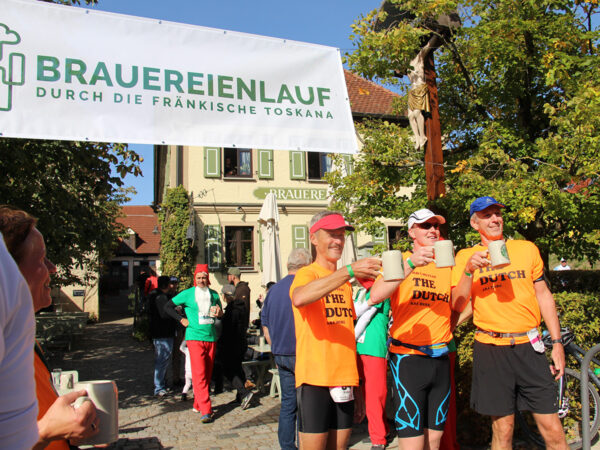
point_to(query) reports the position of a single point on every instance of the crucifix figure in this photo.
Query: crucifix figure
(418, 96)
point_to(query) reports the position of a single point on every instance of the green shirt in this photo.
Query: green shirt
(376, 333)
(196, 331)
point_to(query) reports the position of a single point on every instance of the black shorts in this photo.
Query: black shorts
(318, 413)
(507, 378)
(421, 393)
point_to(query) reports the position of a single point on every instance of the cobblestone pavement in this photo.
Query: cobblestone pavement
(108, 351)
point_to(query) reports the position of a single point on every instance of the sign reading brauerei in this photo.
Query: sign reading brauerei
(72, 73)
(289, 193)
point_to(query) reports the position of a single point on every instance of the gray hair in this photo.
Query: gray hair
(299, 257)
(320, 215)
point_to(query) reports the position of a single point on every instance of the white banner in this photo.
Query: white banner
(71, 73)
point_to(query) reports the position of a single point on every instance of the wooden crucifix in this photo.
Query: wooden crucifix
(424, 117)
(423, 108)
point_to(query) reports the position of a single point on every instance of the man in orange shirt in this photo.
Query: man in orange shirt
(326, 370)
(421, 333)
(509, 364)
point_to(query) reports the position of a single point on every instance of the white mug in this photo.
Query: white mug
(444, 253)
(393, 265)
(104, 395)
(498, 254)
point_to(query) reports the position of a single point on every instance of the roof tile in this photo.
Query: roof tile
(367, 97)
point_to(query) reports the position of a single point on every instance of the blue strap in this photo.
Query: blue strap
(433, 350)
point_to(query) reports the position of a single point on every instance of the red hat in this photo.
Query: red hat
(331, 222)
(201, 268)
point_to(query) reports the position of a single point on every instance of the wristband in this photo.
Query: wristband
(350, 272)
(468, 274)
(557, 341)
(410, 264)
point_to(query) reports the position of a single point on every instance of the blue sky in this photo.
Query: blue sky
(325, 22)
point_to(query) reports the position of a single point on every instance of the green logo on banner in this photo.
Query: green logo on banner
(12, 66)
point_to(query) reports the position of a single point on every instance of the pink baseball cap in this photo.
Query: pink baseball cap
(331, 222)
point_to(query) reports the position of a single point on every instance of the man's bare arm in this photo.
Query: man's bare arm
(367, 268)
(548, 310)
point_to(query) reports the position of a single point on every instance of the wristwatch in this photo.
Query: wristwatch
(557, 341)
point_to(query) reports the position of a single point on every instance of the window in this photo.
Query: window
(318, 165)
(237, 162)
(397, 234)
(239, 247)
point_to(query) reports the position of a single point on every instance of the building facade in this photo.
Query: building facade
(229, 185)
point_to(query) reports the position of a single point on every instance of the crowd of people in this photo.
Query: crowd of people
(333, 366)
(214, 338)
(332, 346)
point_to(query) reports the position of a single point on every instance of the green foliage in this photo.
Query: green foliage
(177, 255)
(578, 311)
(581, 313)
(519, 103)
(70, 188)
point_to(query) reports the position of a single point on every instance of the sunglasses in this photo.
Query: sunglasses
(428, 225)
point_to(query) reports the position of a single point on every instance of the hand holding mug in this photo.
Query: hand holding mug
(422, 256)
(64, 421)
(477, 261)
(215, 311)
(366, 268)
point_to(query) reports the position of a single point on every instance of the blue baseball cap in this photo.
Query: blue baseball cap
(483, 202)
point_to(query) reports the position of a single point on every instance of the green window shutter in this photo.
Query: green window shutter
(213, 244)
(212, 162)
(265, 164)
(297, 165)
(348, 164)
(300, 236)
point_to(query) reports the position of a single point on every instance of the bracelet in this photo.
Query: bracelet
(557, 341)
(350, 272)
(468, 274)
(410, 264)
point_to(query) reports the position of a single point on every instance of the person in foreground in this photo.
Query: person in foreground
(201, 306)
(18, 407)
(509, 364)
(59, 423)
(420, 336)
(326, 368)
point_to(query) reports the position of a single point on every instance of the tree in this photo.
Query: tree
(177, 254)
(519, 103)
(71, 189)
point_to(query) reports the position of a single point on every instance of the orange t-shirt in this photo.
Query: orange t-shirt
(504, 299)
(325, 344)
(421, 308)
(46, 395)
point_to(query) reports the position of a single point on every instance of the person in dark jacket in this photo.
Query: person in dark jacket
(162, 332)
(233, 344)
(242, 290)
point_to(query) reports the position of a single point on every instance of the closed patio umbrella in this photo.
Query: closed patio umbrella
(269, 230)
(349, 253)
